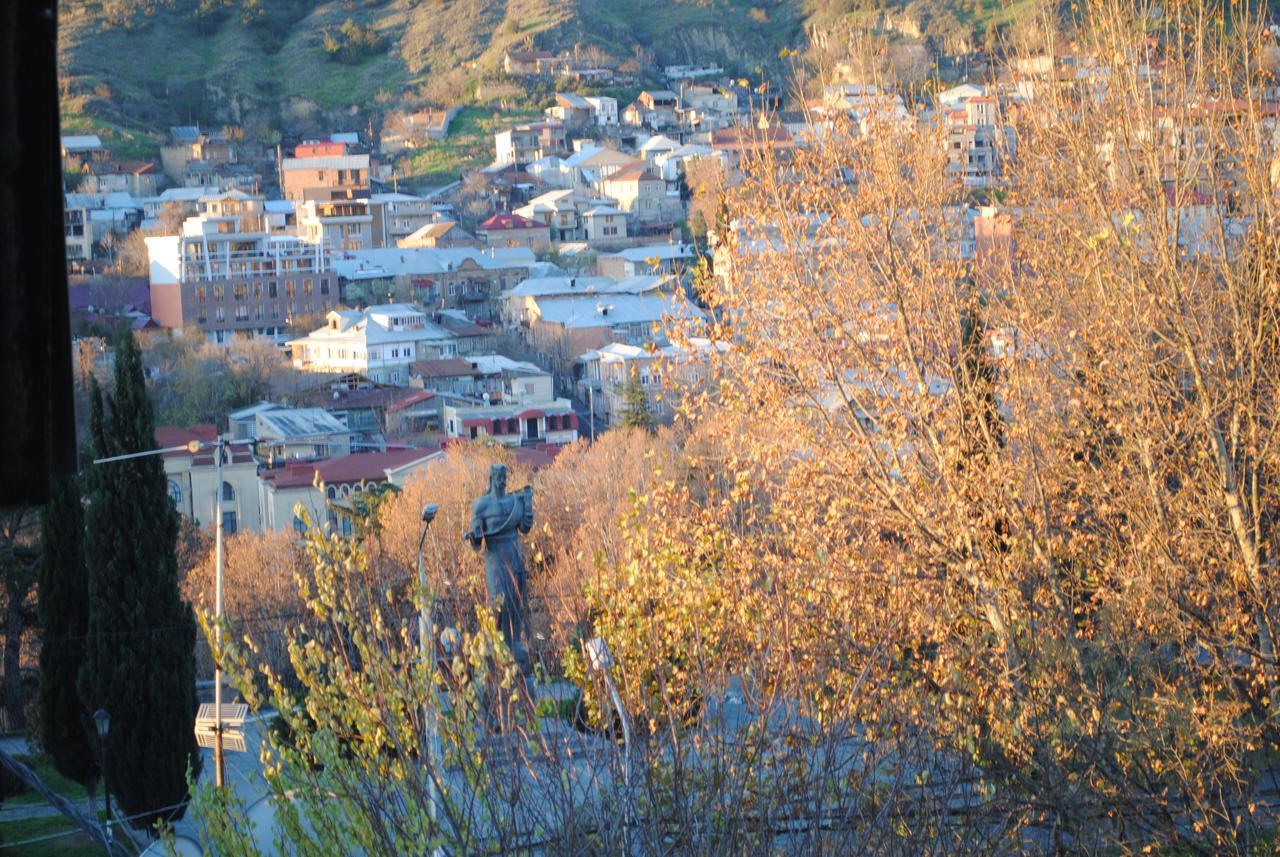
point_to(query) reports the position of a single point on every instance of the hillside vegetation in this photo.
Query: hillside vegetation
(132, 67)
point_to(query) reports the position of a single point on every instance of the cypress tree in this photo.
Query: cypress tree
(636, 413)
(66, 732)
(139, 651)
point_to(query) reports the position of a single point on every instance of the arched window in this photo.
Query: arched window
(513, 426)
(228, 493)
(175, 493)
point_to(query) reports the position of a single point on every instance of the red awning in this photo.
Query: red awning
(530, 414)
(477, 423)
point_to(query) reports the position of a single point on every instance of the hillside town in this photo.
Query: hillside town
(590, 453)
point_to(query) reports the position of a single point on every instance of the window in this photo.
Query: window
(290, 287)
(200, 294)
(257, 313)
(497, 429)
(306, 286)
(219, 314)
(175, 493)
(242, 313)
(219, 293)
(257, 291)
(229, 523)
(453, 290)
(474, 433)
(228, 493)
(552, 422)
(275, 310)
(242, 291)
(272, 290)
(513, 426)
(324, 285)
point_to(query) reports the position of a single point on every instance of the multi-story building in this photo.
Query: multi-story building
(524, 144)
(192, 475)
(378, 343)
(320, 487)
(339, 224)
(517, 407)
(325, 177)
(643, 196)
(396, 216)
(226, 274)
(660, 372)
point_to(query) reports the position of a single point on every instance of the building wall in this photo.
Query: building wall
(246, 303)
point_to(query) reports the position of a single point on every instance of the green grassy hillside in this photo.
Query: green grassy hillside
(131, 68)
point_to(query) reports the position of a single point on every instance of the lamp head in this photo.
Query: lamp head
(102, 720)
(429, 512)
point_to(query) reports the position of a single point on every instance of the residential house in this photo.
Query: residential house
(653, 108)
(397, 216)
(530, 63)
(513, 230)
(283, 434)
(571, 110)
(325, 177)
(403, 131)
(746, 142)
(604, 224)
(453, 278)
(95, 219)
(663, 373)
(526, 143)
(561, 211)
(516, 407)
(472, 338)
(137, 178)
(561, 328)
(440, 234)
(338, 224)
(226, 274)
(647, 259)
(314, 488)
(671, 165)
(520, 304)
(187, 144)
(379, 343)
(604, 109)
(192, 476)
(77, 149)
(642, 194)
(591, 164)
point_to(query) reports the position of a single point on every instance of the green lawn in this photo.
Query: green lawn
(73, 844)
(43, 767)
(469, 144)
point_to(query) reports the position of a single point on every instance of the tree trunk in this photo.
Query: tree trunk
(14, 625)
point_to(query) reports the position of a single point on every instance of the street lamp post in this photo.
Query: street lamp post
(102, 722)
(426, 649)
(600, 660)
(218, 759)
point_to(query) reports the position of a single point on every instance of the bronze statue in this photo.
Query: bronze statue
(497, 519)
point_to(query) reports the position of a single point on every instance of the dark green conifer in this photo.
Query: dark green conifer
(139, 652)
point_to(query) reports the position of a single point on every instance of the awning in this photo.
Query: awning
(478, 423)
(530, 414)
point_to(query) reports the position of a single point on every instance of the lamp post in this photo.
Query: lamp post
(102, 722)
(426, 649)
(600, 659)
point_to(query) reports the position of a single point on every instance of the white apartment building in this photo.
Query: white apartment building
(379, 343)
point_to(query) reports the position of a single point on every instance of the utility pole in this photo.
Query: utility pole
(218, 758)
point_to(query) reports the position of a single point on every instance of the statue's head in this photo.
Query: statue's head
(498, 478)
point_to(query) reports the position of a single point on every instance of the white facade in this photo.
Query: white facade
(604, 108)
(378, 343)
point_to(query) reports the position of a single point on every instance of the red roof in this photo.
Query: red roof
(357, 467)
(508, 221)
(170, 436)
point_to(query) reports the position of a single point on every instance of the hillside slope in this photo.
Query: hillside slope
(131, 68)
